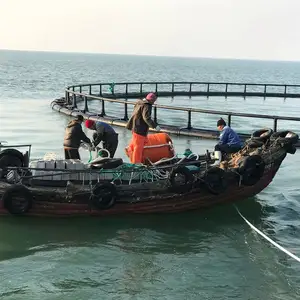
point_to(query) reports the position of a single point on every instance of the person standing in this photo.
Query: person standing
(74, 135)
(105, 133)
(139, 124)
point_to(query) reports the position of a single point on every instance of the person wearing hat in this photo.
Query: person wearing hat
(105, 133)
(139, 124)
(74, 135)
(229, 141)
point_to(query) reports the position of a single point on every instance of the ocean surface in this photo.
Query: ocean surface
(211, 254)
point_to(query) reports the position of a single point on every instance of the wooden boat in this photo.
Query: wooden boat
(107, 186)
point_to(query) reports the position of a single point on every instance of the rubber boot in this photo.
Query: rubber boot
(218, 157)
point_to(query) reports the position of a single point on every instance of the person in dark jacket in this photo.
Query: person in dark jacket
(74, 135)
(229, 141)
(106, 134)
(139, 124)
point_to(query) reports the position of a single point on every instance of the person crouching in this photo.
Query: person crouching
(105, 133)
(74, 135)
(229, 141)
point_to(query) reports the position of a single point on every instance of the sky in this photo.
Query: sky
(242, 29)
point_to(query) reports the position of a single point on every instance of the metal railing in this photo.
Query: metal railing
(71, 99)
(189, 88)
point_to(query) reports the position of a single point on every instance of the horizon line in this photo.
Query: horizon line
(148, 55)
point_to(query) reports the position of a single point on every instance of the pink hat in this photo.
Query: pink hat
(151, 97)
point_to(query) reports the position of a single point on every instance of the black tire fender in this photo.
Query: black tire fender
(262, 134)
(17, 199)
(107, 163)
(188, 180)
(251, 169)
(104, 195)
(291, 149)
(215, 180)
(10, 159)
(12, 152)
(281, 137)
(254, 143)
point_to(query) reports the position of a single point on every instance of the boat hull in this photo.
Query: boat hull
(197, 199)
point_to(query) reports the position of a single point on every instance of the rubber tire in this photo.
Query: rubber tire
(112, 163)
(214, 186)
(8, 160)
(188, 180)
(22, 192)
(100, 160)
(13, 152)
(251, 169)
(279, 137)
(291, 149)
(254, 143)
(104, 195)
(256, 135)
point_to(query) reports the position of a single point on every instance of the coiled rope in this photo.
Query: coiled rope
(267, 238)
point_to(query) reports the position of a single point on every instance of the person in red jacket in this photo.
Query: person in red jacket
(105, 133)
(139, 124)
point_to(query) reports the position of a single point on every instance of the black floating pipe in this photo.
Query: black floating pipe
(103, 109)
(207, 90)
(229, 120)
(284, 91)
(126, 110)
(189, 125)
(155, 114)
(86, 104)
(275, 124)
(67, 97)
(74, 101)
(190, 91)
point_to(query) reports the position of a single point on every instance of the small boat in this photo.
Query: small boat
(110, 186)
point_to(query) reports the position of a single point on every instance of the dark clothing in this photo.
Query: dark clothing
(106, 133)
(227, 149)
(74, 135)
(140, 120)
(110, 144)
(72, 154)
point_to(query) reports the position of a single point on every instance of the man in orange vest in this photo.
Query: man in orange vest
(139, 124)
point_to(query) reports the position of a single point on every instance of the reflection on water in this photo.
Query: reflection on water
(131, 255)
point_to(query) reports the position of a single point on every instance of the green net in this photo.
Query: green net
(136, 172)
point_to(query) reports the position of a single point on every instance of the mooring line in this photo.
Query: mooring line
(267, 238)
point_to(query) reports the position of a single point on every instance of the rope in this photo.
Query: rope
(267, 238)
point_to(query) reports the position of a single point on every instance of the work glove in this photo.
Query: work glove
(157, 128)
